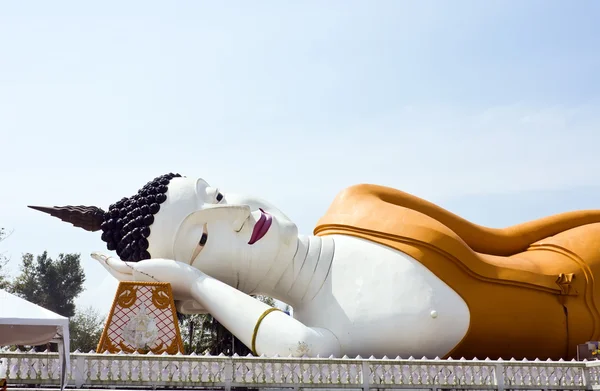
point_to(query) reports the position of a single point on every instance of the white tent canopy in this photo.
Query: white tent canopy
(25, 323)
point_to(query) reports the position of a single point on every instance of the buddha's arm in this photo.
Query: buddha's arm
(276, 332)
(249, 319)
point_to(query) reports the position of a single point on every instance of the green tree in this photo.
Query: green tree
(52, 284)
(225, 342)
(196, 332)
(86, 329)
(4, 280)
(267, 300)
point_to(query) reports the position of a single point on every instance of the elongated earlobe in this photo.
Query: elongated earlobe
(201, 186)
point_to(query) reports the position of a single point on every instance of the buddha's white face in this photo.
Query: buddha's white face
(233, 238)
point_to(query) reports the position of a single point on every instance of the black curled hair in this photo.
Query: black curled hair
(126, 225)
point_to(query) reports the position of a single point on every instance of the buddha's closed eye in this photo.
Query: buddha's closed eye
(219, 197)
(201, 244)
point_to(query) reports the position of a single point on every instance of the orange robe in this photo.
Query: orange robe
(529, 288)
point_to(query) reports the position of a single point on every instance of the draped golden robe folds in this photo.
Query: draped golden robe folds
(529, 288)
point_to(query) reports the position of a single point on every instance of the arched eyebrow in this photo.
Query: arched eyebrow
(201, 243)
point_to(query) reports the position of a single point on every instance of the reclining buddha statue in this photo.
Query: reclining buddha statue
(385, 273)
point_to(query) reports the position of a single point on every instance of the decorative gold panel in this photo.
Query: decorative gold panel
(143, 319)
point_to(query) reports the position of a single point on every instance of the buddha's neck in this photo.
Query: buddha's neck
(298, 278)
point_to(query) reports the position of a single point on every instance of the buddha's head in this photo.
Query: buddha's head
(187, 220)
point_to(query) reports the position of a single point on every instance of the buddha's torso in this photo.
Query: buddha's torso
(527, 291)
(379, 301)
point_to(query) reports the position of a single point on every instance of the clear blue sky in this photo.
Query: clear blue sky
(490, 108)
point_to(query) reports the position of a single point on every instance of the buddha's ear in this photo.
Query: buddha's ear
(190, 231)
(201, 186)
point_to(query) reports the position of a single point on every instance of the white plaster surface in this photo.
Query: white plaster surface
(350, 296)
(378, 301)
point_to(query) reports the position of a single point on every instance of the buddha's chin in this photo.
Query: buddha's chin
(279, 236)
(289, 234)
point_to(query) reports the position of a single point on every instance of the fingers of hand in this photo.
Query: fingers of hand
(119, 269)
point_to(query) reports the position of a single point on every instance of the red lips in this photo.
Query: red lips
(261, 227)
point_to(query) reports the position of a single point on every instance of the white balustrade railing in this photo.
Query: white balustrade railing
(195, 371)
